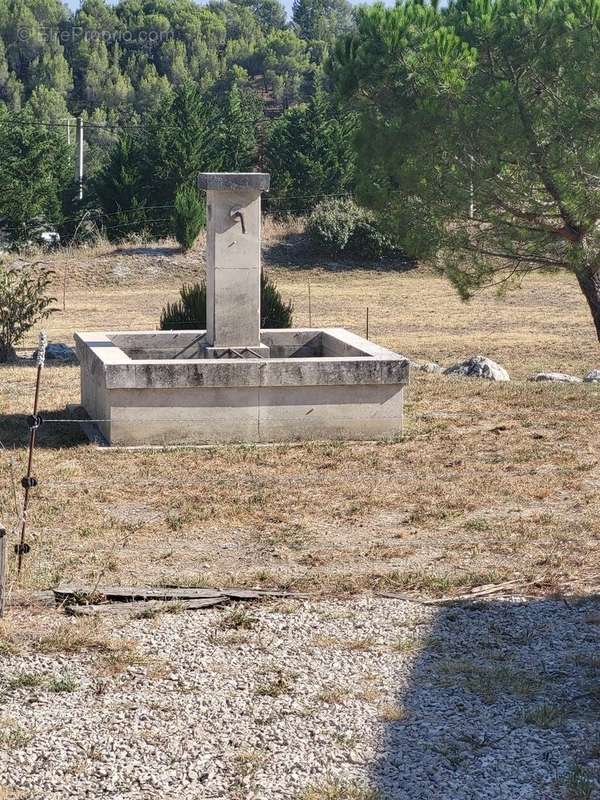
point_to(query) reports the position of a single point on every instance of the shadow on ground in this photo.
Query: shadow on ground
(502, 703)
(57, 430)
(294, 250)
(146, 250)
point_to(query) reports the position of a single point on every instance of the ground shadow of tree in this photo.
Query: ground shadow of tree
(503, 702)
(57, 431)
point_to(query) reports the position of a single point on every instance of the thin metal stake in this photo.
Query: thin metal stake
(309, 307)
(34, 423)
(367, 322)
(2, 570)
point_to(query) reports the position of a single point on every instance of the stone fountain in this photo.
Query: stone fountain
(236, 382)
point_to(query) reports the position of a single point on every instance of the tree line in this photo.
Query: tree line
(166, 89)
(471, 132)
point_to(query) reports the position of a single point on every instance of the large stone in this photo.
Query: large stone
(59, 352)
(427, 366)
(556, 377)
(593, 376)
(479, 367)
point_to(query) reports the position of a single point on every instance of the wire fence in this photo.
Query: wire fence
(142, 215)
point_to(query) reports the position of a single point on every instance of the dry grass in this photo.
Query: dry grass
(393, 713)
(70, 637)
(336, 789)
(490, 481)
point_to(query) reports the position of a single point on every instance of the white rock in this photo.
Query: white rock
(557, 377)
(479, 367)
(427, 366)
(593, 376)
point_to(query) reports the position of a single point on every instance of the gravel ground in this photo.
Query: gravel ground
(328, 700)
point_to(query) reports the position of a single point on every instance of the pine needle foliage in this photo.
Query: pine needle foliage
(189, 217)
(189, 312)
(478, 137)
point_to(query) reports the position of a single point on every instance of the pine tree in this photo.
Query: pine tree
(310, 153)
(34, 170)
(188, 217)
(119, 190)
(238, 130)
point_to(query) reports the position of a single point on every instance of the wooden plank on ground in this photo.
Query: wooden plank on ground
(257, 594)
(143, 607)
(129, 594)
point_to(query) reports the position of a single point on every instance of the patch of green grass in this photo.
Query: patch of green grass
(13, 736)
(176, 521)
(579, 784)
(489, 682)
(63, 683)
(238, 618)
(27, 680)
(545, 716)
(478, 524)
(407, 644)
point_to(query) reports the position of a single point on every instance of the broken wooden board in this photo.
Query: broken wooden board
(86, 596)
(143, 607)
(130, 594)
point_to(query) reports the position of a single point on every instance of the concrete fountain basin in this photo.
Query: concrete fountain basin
(158, 387)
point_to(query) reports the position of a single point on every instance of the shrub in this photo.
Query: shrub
(189, 216)
(187, 312)
(274, 311)
(332, 223)
(339, 226)
(23, 302)
(190, 310)
(369, 241)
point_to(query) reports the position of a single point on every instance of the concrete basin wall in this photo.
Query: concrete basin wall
(353, 391)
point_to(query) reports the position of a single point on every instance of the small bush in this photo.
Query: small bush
(368, 241)
(189, 312)
(339, 226)
(189, 217)
(274, 311)
(332, 223)
(23, 302)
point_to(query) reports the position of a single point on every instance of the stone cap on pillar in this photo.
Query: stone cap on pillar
(232, 181)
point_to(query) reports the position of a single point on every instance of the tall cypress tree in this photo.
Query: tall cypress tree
(119, 190)
(310, 153)
(239, 120)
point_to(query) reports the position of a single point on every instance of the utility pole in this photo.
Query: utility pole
(79, 165)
